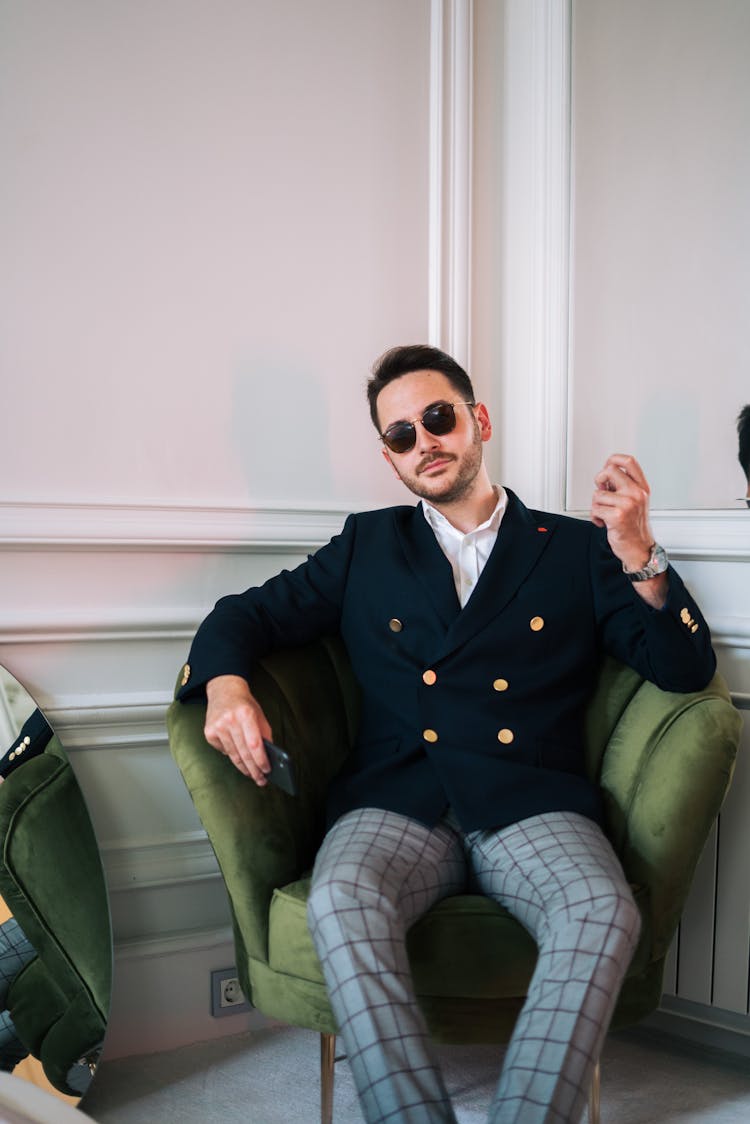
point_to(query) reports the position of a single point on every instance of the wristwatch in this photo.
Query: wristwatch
(657, 564)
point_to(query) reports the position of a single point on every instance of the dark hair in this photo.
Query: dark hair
(415, 357)
(743, 432)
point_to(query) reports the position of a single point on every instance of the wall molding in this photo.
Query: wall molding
(536, 232)
(167, 945)
(153, 626)
(450, 176)
(117, 721)
(701, 535)
(133, 864)
(705, 536)
(138, 624)
(122, 526)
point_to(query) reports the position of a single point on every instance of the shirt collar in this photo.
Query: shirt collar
(439, 523)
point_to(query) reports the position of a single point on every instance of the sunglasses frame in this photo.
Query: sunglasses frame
(411, 425)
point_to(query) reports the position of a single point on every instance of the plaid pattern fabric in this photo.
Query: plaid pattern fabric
(558, 875)
(377, 872)
(15, 951)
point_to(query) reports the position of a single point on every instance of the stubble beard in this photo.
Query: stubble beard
(469, 466)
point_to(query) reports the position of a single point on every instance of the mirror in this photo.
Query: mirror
(55, 933)
(660, 280)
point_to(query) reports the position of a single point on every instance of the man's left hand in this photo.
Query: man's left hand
(621, 504)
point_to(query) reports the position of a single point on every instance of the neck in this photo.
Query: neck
(472, 509)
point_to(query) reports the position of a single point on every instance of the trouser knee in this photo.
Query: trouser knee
(618, 915)
(333, 905)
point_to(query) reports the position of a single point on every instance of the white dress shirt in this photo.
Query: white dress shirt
(467, 553)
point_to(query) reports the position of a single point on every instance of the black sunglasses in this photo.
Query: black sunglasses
(438, 419)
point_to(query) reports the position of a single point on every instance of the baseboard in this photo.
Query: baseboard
(704, 1026)
(162, 994)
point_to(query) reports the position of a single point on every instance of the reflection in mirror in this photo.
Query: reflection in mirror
(55, 934)
(743, 455)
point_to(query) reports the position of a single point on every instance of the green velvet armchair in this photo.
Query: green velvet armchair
(664, 762)
(51, 879)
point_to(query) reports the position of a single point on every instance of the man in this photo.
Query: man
(475, 628)
(743, 454)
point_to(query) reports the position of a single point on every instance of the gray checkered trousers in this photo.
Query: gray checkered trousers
(377, 872)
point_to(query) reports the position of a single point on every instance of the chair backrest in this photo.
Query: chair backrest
(51, 878)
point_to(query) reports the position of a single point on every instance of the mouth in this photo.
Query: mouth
(434, 465)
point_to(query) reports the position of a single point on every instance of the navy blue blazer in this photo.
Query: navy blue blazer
(481, 707)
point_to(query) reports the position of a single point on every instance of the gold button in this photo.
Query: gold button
(694, 628)
(185, 674)
(27, 740)
(505, 736)
(429, 735)
(429, 677)
(536, 624)
(500, 684)
(395, 624)
(12, 757)
(685, 616)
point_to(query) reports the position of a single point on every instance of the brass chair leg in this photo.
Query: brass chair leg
(327, 1058)
(595, 1096)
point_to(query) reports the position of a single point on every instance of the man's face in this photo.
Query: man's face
(438, 469)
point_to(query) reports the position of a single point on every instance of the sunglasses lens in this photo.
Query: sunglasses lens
(400, 437)
(439, 419)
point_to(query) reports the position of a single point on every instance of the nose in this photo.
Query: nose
(425, 440)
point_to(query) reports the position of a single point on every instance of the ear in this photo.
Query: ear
(483, 421)
(389, 460)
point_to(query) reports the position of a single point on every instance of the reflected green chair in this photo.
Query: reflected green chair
(664, 762)
(51, 879)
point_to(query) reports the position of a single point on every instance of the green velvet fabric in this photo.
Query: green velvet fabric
(51, 878)
(664, 762)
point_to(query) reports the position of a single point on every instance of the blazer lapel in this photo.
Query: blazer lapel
(521, 541)
(428, 563)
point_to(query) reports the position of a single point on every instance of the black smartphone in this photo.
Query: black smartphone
(282, 770)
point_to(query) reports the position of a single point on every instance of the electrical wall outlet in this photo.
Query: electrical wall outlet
(227, 997)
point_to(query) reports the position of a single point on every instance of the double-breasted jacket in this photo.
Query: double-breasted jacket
(479, 708)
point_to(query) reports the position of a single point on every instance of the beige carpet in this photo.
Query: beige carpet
(270, 1076)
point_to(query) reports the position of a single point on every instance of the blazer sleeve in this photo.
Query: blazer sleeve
(670, 646)
(292, 608)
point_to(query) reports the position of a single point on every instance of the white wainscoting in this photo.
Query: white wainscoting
(101, 601)
(101, 605)
(707, 986)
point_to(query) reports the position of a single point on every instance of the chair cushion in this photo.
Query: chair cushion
(464, 946)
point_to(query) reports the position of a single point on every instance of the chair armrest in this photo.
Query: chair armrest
(262, 837)
(664, 774)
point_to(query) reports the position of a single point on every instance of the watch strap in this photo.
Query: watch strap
(657, 564)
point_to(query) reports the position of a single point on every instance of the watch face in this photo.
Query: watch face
(657, 564)
(658, 561)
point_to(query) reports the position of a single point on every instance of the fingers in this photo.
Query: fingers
(622, 492)
(621, 504)
(236, 725)
(620, 471)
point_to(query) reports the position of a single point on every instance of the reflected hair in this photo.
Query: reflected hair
(743, 432)
(399, 361)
